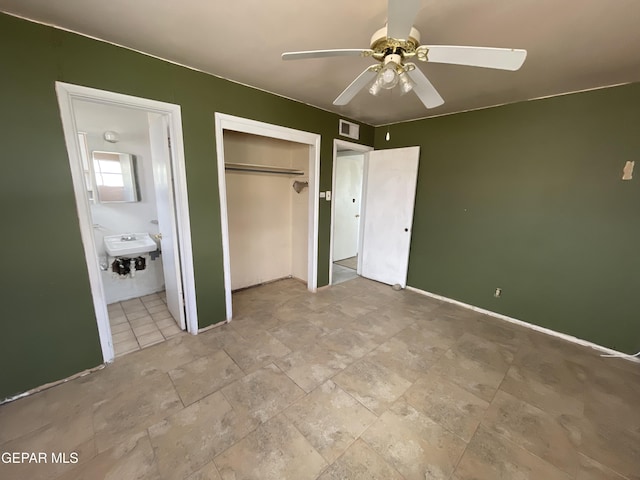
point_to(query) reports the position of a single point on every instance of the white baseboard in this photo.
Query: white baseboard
(537, 328)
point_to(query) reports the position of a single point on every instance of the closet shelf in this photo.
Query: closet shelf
(248, 167)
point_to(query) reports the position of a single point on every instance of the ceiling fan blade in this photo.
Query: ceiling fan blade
(358, 84)
(424, 89)
(342, 52)
(401, 15)
(487, 57)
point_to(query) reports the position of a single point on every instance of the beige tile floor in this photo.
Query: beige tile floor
(342, 274)
(354, 382)
(141, 322)
(351, 262)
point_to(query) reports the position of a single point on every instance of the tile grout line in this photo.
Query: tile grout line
(328, 464)
(178, 394)
(260, 424)
(484, 413)
(158, 329)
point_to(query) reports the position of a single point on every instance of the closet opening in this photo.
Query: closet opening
(268, 181)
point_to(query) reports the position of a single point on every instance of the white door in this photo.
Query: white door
(389, 197)
(163, 184)
(347, 194)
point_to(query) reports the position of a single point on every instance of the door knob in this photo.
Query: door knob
(406, 229)
(158, 236)
(357, 216)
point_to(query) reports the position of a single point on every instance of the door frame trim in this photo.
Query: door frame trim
(223, 122)
(66, 93)
(364, 149)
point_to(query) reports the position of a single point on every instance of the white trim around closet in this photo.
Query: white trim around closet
(238, 124)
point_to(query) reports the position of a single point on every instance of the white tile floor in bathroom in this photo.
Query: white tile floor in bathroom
(141, 322)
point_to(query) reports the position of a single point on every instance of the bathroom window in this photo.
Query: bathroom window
(115, 177)
(108, 170)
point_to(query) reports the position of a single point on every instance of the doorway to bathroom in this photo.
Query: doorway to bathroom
(127, 164)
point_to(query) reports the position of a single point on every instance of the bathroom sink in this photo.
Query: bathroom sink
(129, 244)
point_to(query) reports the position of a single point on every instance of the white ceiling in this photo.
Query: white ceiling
(131, 125)
(572, 45)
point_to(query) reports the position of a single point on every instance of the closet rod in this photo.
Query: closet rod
(248, 167)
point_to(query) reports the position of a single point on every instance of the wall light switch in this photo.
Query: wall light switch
(321, 194)
(328, 195)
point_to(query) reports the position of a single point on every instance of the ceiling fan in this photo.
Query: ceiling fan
(399, 41)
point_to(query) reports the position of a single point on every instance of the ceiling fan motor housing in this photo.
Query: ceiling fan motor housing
(393, 57)
(383, 46)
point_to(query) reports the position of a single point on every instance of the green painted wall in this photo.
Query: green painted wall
(47, 326)
(529, 198)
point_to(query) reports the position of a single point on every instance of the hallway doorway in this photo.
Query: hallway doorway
(348, 173)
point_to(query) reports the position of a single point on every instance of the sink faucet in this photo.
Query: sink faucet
(127, 238)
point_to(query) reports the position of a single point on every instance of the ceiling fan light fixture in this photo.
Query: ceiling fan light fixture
(375, 87)
(388, 76)
(406, 84)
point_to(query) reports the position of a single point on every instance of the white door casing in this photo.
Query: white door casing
(388, 201)
(163, 185)
(66, 93)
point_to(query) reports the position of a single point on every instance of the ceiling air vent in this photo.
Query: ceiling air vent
(348, 129)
